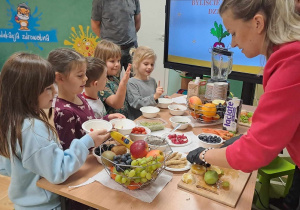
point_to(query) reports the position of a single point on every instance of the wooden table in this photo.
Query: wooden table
(171, 197)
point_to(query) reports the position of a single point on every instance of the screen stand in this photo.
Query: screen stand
(248, 93)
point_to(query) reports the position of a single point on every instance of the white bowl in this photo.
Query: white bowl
(136, 137)
(123, 126)
(153, 146)
(164, 102)
(177, 109)
(149, 111)
(183, 120)
(96, 124)
(205, 144)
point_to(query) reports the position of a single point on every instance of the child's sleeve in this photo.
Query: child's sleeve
(3, 162)
(136, 100)
(43, 156)
(65, 124)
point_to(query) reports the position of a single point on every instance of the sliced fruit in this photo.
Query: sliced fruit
(197, 169)
(188, 178)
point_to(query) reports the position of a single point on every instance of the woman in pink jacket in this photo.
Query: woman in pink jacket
(270, 28)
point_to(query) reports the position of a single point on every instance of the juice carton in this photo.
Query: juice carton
(232, 115)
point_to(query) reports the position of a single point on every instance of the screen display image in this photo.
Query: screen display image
(193, 28)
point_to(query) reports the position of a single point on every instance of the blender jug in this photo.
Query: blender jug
(221, 65)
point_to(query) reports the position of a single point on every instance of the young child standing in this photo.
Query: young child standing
(114, 94)
(71, 109)
(29, 145)
(142, 89)
(96, 73)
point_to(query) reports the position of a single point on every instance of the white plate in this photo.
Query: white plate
(177, 145)
(187, 167)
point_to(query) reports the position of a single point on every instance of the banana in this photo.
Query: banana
(121, 139)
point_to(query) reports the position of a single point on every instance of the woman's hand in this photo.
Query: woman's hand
(99, 136)
(159, 91)
(116, 115)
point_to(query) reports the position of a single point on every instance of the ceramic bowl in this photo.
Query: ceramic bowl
(149, 111)
(183, 120)
(98, 157)
(135, 137)
(176, 109)
(210, 140)
(96, 124)
(156, 142)
(123, 126)
(164, 102)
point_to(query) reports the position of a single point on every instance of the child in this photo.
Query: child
(96, 73)
(71, 109)
(29, 145)
(114, 94)
(142, 89)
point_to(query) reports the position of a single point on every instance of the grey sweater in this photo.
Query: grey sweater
(140, 93)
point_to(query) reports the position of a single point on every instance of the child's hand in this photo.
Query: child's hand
(159, 91)
(126, 75)
(99, 136)
(115, 115)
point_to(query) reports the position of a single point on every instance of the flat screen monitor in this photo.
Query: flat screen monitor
(192, 29)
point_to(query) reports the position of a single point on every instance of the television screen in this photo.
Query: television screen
(193, 28)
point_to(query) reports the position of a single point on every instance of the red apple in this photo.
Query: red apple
(156, 154)
(139, 149)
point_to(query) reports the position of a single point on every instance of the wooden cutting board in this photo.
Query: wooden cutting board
(230, 196)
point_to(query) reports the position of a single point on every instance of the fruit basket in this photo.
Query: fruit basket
(207, 113)
(137, 173)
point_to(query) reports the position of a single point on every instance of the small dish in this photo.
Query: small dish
(98, 157)
(149, 111)
(123, 126)
(96, 124)
(177, 134)
(156, 142)
(177, 109)
(136, 137)
(187, 167)
(154, 124)
(164, 102)
(215, 142)
(183, 120)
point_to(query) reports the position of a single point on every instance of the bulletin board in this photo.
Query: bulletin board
(39, 26)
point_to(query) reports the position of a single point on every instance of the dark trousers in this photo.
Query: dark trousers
(126, 57)
(293, 197)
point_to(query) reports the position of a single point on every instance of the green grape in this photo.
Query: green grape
(158, 165)
(118, 178)
(126, 172)
(127, 182)
(143, 162)
(144, 158)
(148, 176)
(143, 173)
(134, 163)
(138, 169)
(124, 180)
(149, 158)
(131, 173)
(143, 180)
(139, 160)
(137, 180)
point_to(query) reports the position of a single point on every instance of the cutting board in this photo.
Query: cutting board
(230, 196)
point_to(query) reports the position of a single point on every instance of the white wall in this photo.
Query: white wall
(151, 34)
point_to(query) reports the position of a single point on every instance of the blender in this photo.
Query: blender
(221, 66)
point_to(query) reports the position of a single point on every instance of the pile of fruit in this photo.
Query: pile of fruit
(134, 169)
(139, 130)
(206, 112)
(225, 135)
(210, 139)
(246, 117)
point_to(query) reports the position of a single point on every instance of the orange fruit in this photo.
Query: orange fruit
(206, 119)
(134, 186)
(209, 109)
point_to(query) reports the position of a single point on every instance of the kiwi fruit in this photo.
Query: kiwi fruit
(109, 155)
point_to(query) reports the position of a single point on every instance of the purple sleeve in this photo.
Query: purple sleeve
(105, 117)
(65, 125)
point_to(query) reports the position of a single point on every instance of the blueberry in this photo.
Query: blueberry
(128, 155)
(119, 169)
(104, 147)
(123, 158)
(97, 151)
(116, 162)
(117, 157)
(128, 162)
(110, 146)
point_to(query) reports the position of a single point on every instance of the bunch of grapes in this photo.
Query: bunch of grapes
(221, 109)
(139, 172)
(104, 147)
